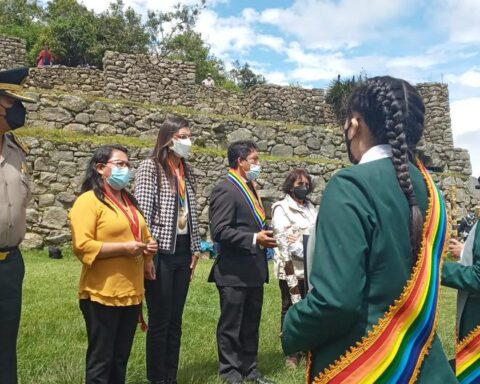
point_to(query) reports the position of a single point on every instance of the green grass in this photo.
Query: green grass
(52, 340)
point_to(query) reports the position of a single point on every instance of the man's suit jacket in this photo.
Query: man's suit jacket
(232, 225)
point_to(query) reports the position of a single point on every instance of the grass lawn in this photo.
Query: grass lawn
(52, 340)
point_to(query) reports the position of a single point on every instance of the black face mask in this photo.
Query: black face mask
(348, 143)
(300, 192)
(15, 115)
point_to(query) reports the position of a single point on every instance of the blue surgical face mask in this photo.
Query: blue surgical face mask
(119, 178)
(254, 172)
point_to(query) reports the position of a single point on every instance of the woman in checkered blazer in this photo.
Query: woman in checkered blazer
(165, 191)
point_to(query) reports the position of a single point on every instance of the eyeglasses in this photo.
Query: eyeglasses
(119, 163)
(183, 137)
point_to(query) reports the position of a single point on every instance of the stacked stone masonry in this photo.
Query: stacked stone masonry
(12, 52)
(133, 94)
(65, 79)
(58, 170)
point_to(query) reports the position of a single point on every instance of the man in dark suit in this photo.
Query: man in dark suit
(237, 225)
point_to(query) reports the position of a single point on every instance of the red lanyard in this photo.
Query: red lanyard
(180, 175)
(132, 217)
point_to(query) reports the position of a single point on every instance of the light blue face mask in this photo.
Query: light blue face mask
(254, 172)
(119, 178)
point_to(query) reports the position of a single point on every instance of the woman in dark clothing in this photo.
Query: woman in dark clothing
(165, 190)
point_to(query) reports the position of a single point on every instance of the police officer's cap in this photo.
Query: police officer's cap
(11, 83)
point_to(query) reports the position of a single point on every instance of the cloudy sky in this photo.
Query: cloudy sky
(309, 42)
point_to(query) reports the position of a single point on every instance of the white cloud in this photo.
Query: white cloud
(464, 114)
(225, 34)
(460, 19)
(424, 61)
(466, 128)
(470, 141)
(276, 77)
(275, 43)
(470, 78)
(141, 6)
(235, 36)
(330, 24)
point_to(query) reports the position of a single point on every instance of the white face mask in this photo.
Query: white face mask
(182, 147)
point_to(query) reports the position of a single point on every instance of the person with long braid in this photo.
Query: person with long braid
(370, 314)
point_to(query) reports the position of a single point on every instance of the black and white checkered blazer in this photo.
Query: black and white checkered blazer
(160, 207)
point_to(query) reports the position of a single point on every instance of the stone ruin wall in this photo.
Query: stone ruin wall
(12, 52)
(133, 95)
(65, 79)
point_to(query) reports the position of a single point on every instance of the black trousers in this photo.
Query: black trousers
(237, 331)
(165, 298)
(110, 332)
(286, 298)
(12, 271)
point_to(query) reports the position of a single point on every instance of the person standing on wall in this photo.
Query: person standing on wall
(165, 190)
(45, 57)
(208, 81)
(14, 196)
(237, 225)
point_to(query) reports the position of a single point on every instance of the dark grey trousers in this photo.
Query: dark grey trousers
(237, 332)
(110, 332)
(12, 271)
(165, 298)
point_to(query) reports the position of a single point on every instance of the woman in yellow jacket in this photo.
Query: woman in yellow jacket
(112, 241)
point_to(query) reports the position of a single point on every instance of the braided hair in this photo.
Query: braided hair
(394, 112)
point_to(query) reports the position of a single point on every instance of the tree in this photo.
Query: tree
(71, 33)
(339, 91)
(163, 27)
(79, 36)
(23, 19)
(189, 46)
(244, 77)
(121, 30)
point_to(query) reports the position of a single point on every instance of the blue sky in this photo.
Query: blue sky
(309, 42)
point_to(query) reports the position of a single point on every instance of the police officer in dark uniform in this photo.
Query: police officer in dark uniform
(14, 195)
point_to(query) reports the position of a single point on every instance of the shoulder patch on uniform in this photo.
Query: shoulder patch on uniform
(18, 143)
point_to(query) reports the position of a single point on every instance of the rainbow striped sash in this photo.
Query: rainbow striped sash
(394, 350)
(468, 358)
(252, 201)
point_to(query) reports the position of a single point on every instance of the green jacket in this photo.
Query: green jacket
(466, 278)
(362, 260)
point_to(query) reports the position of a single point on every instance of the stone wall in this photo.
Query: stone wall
(12, 52)
(147, 78)
(437, 139)
(133, 95)
(74, 113)
(67, 79)
(211, 130)
(57, 170)
(294, 104)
